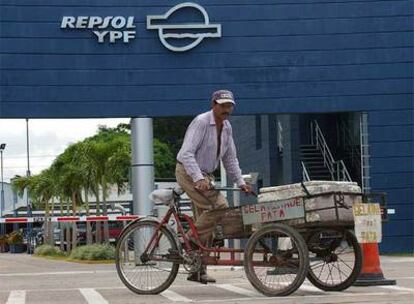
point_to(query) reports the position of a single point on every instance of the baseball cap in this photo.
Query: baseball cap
(223, 96)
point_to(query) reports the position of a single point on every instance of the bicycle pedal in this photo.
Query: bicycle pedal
(218, 243)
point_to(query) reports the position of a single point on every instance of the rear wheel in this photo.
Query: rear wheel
(335, 259)
(276, 260)
(146, 272)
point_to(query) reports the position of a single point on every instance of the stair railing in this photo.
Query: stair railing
(305, 174)
(365, 166)
(342, 171)
(353, 150)
(336, 168)
(320, 143)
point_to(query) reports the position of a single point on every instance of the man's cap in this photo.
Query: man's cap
(223, 96)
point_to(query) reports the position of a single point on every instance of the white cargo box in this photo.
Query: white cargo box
(340, 206)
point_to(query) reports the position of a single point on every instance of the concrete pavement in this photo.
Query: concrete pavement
(28, 279)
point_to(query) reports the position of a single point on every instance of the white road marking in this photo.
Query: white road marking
(311, 288)
(17, 297)
(92, 296)
(398, 288)
(18, 274)
(389, 259)
(175, 297)
(307, 296)
(241, 291)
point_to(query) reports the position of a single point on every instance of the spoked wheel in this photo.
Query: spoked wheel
(335, 259)
(276, 260)
(153, 271)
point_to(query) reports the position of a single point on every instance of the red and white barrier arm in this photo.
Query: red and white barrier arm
(60, 219)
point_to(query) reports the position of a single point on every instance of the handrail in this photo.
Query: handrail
(305, 174)
(342, 171)
(328, 159)
(336, 168)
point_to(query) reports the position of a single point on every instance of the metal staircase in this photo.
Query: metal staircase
(313, 163)
(318, 162)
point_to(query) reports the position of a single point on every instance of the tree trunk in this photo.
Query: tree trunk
(74, 227)
(60, 225)
(98, 229)
(68, 242)
(50, 232)
(105, 212)
(46, 231)
(88, 224)
(68, 247)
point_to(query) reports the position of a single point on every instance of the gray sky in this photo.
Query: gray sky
(48, 138)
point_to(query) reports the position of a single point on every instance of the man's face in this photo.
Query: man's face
(223, 110)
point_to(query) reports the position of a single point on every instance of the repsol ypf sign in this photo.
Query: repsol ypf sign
(105, 29)
(113, 29)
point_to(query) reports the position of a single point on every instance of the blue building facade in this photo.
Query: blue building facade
(280, 57)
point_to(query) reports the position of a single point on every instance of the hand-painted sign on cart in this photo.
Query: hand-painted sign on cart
(367, 222)
(273, 211)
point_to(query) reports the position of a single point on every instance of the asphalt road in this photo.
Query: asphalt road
(29, 279)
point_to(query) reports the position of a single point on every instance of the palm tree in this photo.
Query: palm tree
(83, 158)
(69, 184)
(42, 190)
(110, 154)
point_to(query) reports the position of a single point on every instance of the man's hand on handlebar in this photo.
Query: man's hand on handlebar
(246, 188)
(202, 185)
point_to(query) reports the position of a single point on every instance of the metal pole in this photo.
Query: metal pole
(2, 195)
(236, 203)
(142, 165)
(142, 173)
(28, 207)
(223, 180)
(2, 189)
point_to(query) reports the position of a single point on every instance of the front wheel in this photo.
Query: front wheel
(335, 259)
(276, 260)
(146, 272)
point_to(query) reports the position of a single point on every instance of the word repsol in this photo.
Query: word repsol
(96, 22)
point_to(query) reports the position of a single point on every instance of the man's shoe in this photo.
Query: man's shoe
(200, 278)
(196, 277)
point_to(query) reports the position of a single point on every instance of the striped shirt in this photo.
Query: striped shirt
(198, 153)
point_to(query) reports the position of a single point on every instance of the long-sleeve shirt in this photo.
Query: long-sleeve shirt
(199, 150)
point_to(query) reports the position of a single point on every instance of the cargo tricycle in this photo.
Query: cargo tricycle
(287, 239)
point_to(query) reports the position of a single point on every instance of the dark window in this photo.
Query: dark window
(258, 132)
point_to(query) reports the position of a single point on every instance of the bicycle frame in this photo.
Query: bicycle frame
(186, 246)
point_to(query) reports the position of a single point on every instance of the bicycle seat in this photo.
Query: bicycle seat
(178, 190)
(162, 196)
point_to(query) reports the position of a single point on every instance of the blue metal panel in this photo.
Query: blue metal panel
(284, 56)
(394, 244)
(400, 148)
(400, 117)
(391, 164)
(275, 57)
(398, 228)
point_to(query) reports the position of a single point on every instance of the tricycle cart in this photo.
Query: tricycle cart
(283, 246)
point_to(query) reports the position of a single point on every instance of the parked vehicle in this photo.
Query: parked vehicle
(115, 229)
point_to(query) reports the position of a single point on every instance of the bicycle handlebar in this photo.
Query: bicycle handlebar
(231, 189)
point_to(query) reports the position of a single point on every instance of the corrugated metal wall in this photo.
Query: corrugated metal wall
(286, 56)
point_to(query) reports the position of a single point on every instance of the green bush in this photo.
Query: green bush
(48, 250)
(93, 252)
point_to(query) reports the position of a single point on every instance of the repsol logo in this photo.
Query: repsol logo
(106, 29)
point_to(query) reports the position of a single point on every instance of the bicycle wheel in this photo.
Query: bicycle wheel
(276, 260)
(152, 272)
(335, 259)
